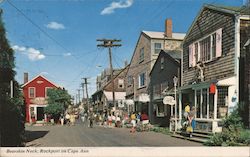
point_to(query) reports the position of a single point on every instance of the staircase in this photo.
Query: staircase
(197, 136)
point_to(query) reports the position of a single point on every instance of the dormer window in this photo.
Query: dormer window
(157, 48)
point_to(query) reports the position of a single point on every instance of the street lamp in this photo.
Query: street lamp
(175, 79)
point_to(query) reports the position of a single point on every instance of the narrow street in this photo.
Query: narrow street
(82, 136)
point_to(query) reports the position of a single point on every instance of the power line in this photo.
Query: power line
(110, 43)
(38, 27)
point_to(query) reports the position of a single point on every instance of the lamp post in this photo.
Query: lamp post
(175, 79)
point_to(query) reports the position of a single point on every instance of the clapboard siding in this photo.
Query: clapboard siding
(208, 22)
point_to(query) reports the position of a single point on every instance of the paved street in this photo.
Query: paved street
(82, 136)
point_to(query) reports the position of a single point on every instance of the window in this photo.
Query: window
(142, 80)
(157, 48)
(206, 49)
(162, 62)
(130, 80)
(222, 101)
(120, 83)
(31, 92)
(141, 57)
(160, 112)
(46, 91)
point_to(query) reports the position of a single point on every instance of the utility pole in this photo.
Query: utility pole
(86, 87)
(82, 84)
(79, 95)
(109, 43)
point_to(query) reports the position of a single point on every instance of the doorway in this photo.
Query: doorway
(40, 113)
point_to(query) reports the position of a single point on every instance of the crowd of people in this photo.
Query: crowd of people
(110, 120)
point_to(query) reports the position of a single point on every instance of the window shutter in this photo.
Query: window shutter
(219, 42)
(194, 59)
(190, 57)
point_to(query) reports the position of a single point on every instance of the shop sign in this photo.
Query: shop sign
(168, 100)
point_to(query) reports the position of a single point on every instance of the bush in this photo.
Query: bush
(232, 133)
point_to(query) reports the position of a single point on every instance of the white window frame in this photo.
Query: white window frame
(34, 91)
(139, 80)
(157, 49)
(45, 93)
(120, 82)
(194, 59)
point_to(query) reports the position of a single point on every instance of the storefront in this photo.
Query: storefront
(212, 100)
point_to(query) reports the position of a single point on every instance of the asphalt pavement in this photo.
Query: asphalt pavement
(80, 135)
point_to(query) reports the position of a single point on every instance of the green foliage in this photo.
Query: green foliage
(232, 133)
(59, 96)
(11, 109)
(54, 109)
(161, 130)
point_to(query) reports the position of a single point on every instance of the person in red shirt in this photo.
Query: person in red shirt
(144, 116)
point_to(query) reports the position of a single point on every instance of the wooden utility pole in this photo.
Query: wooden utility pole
(109, 43)
(86, 87)
(82, 84)
(79, 97)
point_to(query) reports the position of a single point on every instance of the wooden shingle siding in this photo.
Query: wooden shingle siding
(208, 22)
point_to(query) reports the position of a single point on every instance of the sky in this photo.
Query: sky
(57, 38)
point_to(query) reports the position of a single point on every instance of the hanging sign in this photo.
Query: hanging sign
(169, 100)
(212, 88)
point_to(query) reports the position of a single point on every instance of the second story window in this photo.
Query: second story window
(142, 80)
(31, 92)
(120, 83)
(157, 48)
(206, 49)
(162, 62)
(141, 57)
(46, 91)
(130, 80)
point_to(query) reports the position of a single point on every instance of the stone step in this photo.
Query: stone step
(195, 139)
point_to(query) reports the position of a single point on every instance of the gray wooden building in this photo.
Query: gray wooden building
(211, 64)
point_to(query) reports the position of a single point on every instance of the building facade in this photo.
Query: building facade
(35, 94)
(164, 70)
(211, 65)
(103, 97)
(145, 54)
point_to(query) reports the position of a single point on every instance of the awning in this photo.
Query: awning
(129, 102)
(143, 98)
(118, 95)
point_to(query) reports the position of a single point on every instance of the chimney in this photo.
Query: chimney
(25, 77)
(168, 28)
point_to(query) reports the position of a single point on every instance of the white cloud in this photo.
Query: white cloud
(32, 53)
(55, 25)
(116, 5)
(67, 54)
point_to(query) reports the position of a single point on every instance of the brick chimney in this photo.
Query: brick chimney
(25, 77)
(168, 28)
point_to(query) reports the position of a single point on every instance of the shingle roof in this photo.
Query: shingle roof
(244, 10)
(160, 35)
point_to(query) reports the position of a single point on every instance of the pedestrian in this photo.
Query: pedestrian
(113, 120)
(109, 120)
(67, 118)
(186, 111)
(118, 121)
(191, 121)
(133, 122)
(62, 119)
(91, 119)
(138, 117)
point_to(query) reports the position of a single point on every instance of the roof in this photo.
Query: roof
(161, 35)
(36, 78)
(118, 95)
(221, 8)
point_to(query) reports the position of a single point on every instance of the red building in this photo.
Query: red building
(35, 93)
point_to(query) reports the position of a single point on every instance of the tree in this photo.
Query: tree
(12, 107)
(58, 101)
